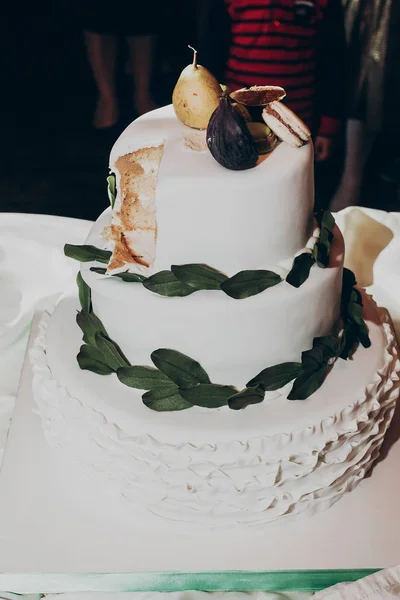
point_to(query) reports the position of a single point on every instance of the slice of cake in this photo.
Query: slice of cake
(133, 229)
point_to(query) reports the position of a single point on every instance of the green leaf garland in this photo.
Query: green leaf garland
(178, 382)
(183, 280)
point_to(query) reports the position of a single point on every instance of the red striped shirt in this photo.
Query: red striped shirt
(270, 47)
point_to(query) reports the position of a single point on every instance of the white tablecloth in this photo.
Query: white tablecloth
(34, 271)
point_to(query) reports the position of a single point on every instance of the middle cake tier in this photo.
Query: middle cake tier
(232, 339)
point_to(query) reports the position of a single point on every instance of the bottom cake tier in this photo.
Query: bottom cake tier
(219, 467)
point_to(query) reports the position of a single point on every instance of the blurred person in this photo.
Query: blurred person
(367, 31)
(103, 23)
(213, 35)
(299, 45)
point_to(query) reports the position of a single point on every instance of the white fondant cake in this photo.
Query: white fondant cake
(176, 205)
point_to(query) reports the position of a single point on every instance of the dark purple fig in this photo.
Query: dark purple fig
(229, 139)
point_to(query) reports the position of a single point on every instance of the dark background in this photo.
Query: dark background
(52, 160)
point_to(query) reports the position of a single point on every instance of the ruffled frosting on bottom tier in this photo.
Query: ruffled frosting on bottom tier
(248, 482)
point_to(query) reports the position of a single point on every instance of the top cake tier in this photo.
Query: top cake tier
(198, 212)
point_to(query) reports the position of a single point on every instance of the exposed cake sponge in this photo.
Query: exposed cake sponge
(133, 228)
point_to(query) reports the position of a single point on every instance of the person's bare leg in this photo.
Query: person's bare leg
(141, 51)
(101, 51)
(358, 147)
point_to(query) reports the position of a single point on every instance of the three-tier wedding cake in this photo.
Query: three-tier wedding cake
(221, 368)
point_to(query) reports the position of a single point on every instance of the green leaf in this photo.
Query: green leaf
(111, 352)
(208, 395)
(274, 378)
(250, 395)
(355, 312)
(130, 277)
(300, 270)
(181, 369)
(348, 342)
(90, 325)
(111, 190)
(363, 335)
(323, 349)
(330, 345)
(321, 253)
(166, 284)
(248, 283)
(165, 399)
(99, 270)
(91, 359)
(326, 220)
(313, 359)
(349, 281)
(126, 276)
(322, 247)
(308, 383)
(87, 253)
(144, 378)
(84, 292)
(354, 307)
(354, 315)
(355, 296)
(198, 276)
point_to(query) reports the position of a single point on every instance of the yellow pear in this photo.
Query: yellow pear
(196, 95)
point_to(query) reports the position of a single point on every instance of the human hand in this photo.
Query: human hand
(323, 147)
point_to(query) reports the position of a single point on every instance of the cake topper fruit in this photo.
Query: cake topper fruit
(242, 110)
(263, 138)
(286, 124)
(226, 89)
(258, 95)
(196, 95)
(229, 139)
